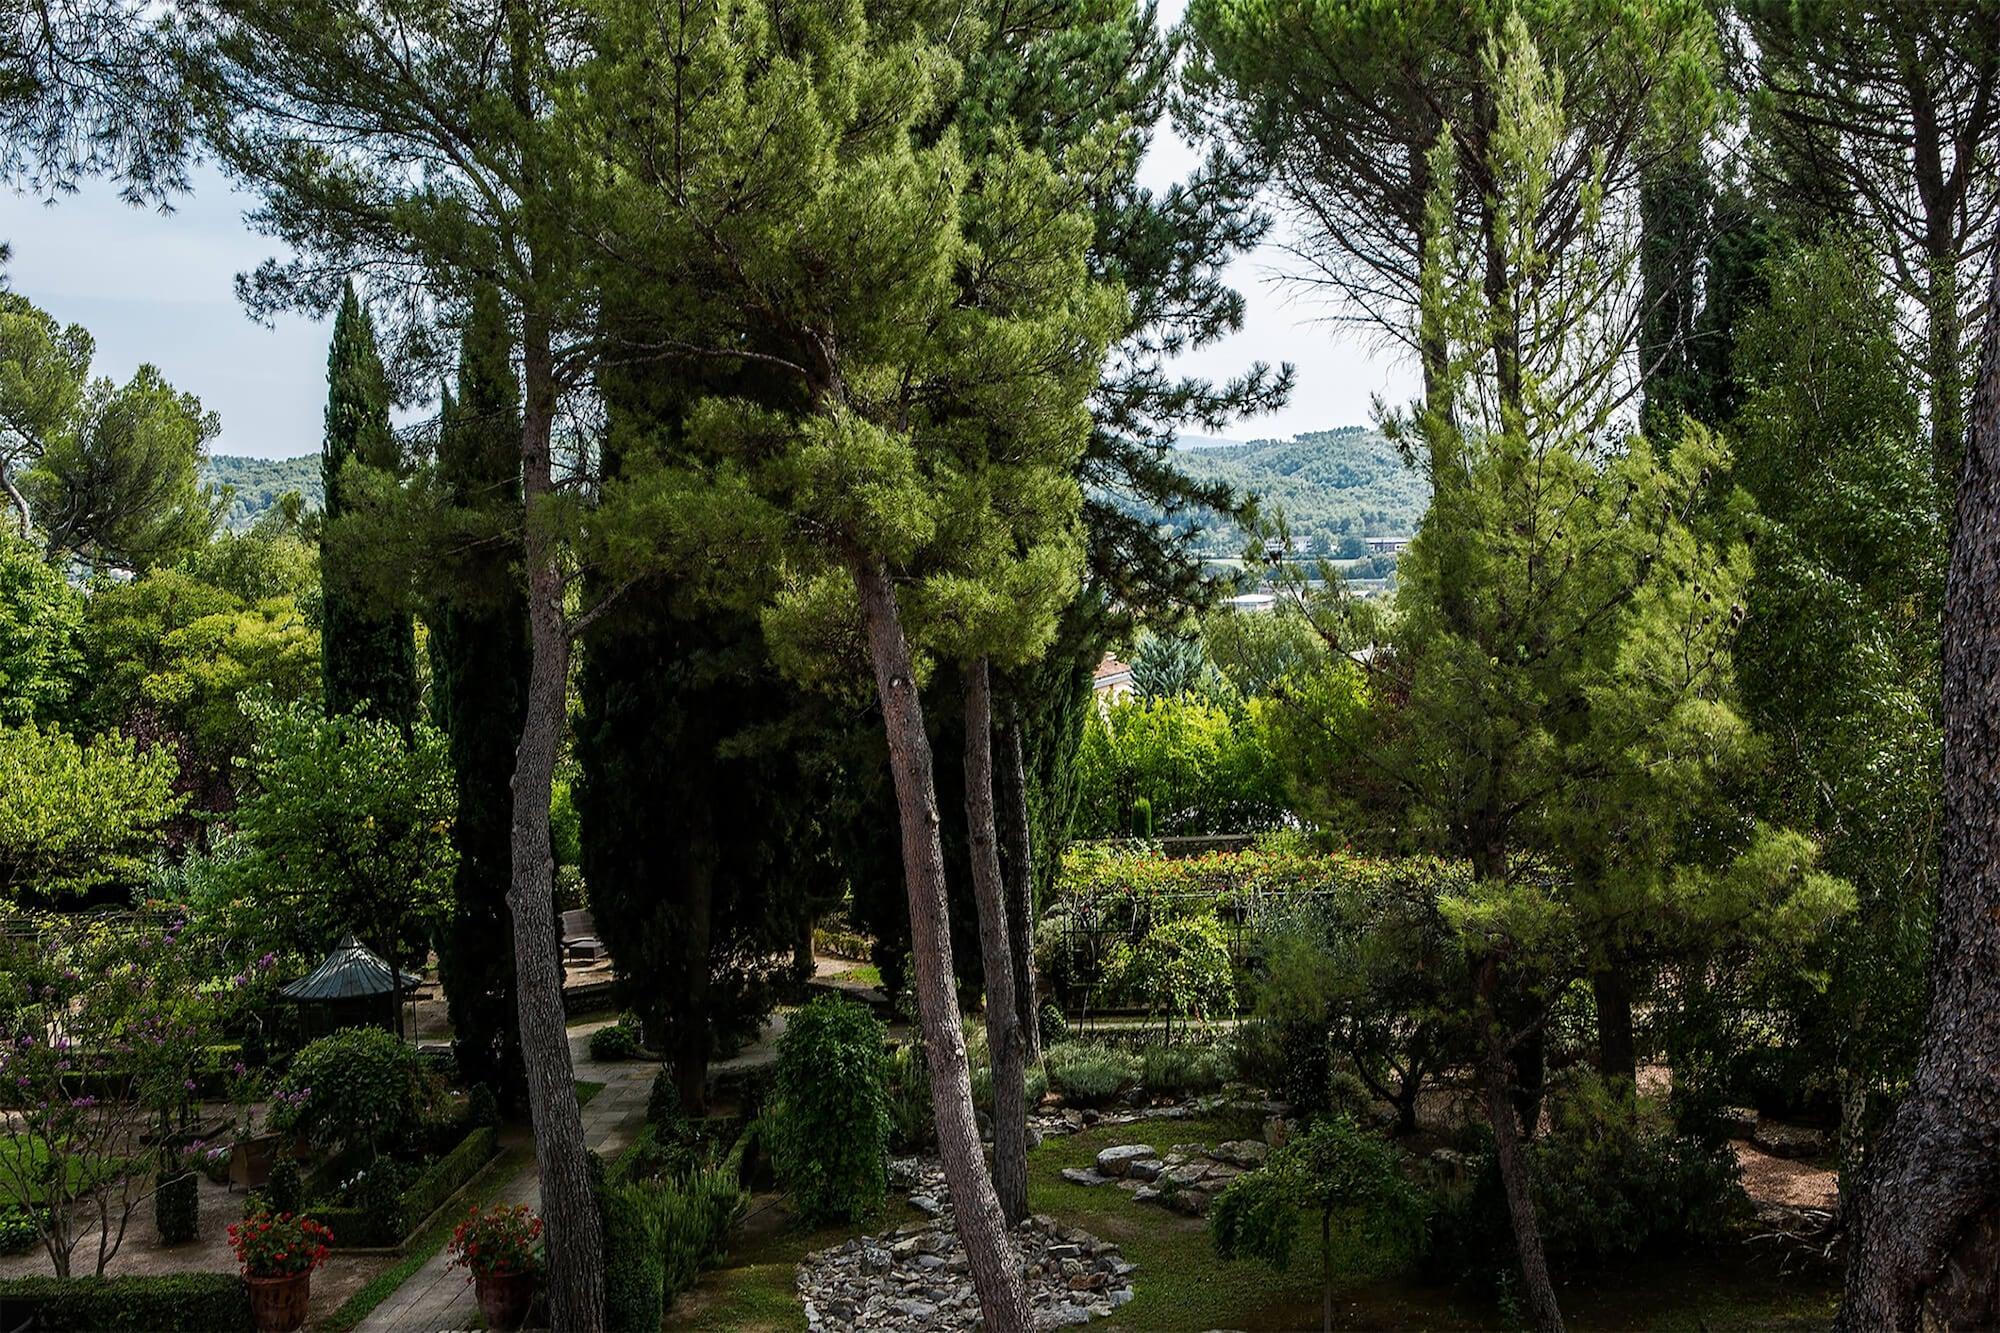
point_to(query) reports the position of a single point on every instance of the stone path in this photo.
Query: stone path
(436, 1298)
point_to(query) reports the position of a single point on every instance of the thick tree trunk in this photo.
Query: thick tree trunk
(989, 1251)
(692, 1042)
(1496, 1066)
(1925, 1246)
(1010, 789)
(573, 1233)
(1003, 1019)
(1617, 1049)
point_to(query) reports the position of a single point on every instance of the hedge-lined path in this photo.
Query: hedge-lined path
(436, 1298)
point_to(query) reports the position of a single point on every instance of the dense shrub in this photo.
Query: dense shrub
(285, 1189)
(619, 1041)
(635, 1294)
(1088, 1073)
(1612, 1178)
(1054, 1026)
(391, 1200)
(17, 1230)
(696, 1215)
(482, 1108)
(358, 1089)
(663, 1098)
(1183, 1069)
(1191, 766)
(1181, 970)
(166, 1303)
(177, 1206)
(832, 1117)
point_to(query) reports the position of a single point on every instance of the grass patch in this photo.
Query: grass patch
(585, 1090)
(867, 974)
(421, 1250)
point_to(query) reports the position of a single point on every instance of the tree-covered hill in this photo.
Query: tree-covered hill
(1329, 484)
(258, 482)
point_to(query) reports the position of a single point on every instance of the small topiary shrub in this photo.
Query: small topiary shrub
(1088, 1073)
(1181, 969)
(635, 1296)
(619, 1041)
(1054, 1026)
(359, 1090)
(482, 1108)
(831, 1123)
(177, 1206)
(285, 1188)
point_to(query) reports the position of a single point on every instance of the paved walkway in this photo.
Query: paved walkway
(435, 1298)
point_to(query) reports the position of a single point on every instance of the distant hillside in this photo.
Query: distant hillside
(259, 482)
(1328, 483)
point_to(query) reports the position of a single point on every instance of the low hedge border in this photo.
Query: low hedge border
(163, 1303)
(359, 1228)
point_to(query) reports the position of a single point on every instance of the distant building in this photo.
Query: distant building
(1386, 545)
(1251, 601)
(1112, 681)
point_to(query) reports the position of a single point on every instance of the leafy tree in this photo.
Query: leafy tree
(1334, 1170)
(1556, 680)
(170, 657)
(1197, 767)
(76, 818)
(368, 651)
(479, 663)
(1884, 116)
(87, 88)
(108, 474)
(1923, 1243)
(41, 615)
(347, 828)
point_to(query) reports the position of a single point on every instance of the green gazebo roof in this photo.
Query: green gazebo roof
(351, 972)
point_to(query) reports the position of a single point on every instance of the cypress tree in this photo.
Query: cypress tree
(368, 653)
(479, 673)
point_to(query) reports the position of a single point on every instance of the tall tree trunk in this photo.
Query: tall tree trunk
(1617, 1050)
(1003, 1018)
(692, 1041)
(1010, 790)
(989, 1251)
(1925, 1247)
(1496, 1065)
(574, 1234)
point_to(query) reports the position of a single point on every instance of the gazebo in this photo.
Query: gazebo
(355, 986)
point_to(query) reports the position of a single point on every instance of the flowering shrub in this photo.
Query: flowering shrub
(278, 1245)
(500, 1242)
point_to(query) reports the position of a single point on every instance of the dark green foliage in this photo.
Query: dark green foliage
(368, 652)
(696, 1215)
(364, 1091)
(387, 1217)
(912, 1114)
(832, 1119)
(663, 1100)
(619, 1041)
(1334, 1174)
(1184, 1068)
(1055, 1027)
(1088, 1073)
(177, 1207)
(285, 1189)
(446, 1176)
(17, 1230)
(1612, 1179)
(167, 1303)
(635, 1297)
(479, 669)
(257, 485)
(482, 1108)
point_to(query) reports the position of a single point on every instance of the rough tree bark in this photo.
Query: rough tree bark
(1925, 1246)
(1496, 1067)
(1010, 790)
(989, 1251)
(1003, 1017)
(1617, 1047)
(574, 1234)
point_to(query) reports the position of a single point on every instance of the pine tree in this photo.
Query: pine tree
(479, 663)
(368, 653)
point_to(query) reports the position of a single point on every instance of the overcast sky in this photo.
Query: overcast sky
(161, 289)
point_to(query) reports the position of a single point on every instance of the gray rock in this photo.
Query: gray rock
(1117, 1160)
(1782, 1140)
(1082, 1175)
(1245, 1153)
(1146, 1168)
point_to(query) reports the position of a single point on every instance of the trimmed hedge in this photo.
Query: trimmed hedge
(355, 1226)
(167, 1303)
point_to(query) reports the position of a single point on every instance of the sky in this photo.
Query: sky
(161, 289)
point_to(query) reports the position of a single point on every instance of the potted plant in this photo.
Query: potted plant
(497, 1248)
(278, 1253)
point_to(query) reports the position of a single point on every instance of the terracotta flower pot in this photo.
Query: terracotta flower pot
(504, 1298)
(278, 1304)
